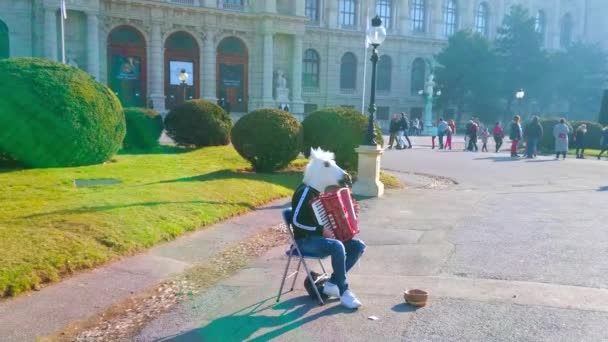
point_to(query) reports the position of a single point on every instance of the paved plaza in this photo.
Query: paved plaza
(511, 250)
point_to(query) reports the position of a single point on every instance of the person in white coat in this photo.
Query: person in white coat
(560, 133)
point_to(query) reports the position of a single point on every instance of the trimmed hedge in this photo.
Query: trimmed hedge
(199, 123)
(594, 133)
(268, 138)
(144, 127)
(54, 115)
(339, 130)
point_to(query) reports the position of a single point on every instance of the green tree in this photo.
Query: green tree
(522, 63)
(603, 119)
(579, 73)
(466, 73)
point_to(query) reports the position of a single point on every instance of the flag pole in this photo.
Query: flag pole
(63, 14)
(365, 63)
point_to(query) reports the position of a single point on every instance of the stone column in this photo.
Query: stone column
(368, 172)
(332, 14)
(155, 71)
(436, 19)
(208, 68)
(50, 34)
(297, 104)
(93, 45)
(299, 9)
(403, 20)
(267, 70)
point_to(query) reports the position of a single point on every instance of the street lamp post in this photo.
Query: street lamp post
(183, 77)
(519, 95)
(368, 176)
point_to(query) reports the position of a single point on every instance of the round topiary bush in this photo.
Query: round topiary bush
(54, 115)
(198, 123)
(594, 133)
(144, 127)
(339, 130)
(268, 138)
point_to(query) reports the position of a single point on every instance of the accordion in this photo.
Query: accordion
(335, 210)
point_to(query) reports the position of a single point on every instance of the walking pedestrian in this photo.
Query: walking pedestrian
(450, 132)
(499, 135)
(485, 135)
(533, 134)
(393, 130)
(473, 131)
(403, 130)
(433, 136)
(515, 135)
(579, 140)
(416, 125)
(442, 127)
(560, 133)
(420, 126)
(603, 142)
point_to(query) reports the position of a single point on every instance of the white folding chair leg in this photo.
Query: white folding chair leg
(312, 281)
(284, 277)
(322, 268)
(293, 283)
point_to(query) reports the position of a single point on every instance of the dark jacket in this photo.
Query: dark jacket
(534, 130)
(515, 133)
(304, 221)
(580, 137)
(403, 125)
(394, 126)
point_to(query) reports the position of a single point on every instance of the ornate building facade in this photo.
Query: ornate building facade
(265, 53)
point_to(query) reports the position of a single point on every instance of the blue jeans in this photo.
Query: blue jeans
(531, 147)
(344, 255)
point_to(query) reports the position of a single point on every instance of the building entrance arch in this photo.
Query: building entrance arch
(232, 73)
(127, 65)
(181, 53)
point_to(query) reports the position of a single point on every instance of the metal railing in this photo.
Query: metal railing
(231, 5)
(185, 2)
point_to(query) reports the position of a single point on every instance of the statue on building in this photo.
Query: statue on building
(71, 61)
(429, 86)
(281, 90)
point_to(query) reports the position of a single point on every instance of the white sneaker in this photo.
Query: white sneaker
(331, 290)
(349, 300)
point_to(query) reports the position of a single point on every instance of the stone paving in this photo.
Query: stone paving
(514, 251)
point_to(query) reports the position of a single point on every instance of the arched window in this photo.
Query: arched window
(127, 60)
(450, 18)
(540, 23)
(312, 10)
(418, 71)
(4, 41)
(348, 71)
(310, 77)
(566, 32)
(418, 15)
(384, 9)
(385, 64)
(481, 19)
(347, 13)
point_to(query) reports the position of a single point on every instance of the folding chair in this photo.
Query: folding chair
(294, 251)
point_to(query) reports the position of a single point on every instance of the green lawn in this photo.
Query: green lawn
(50, 228)
(588, 153)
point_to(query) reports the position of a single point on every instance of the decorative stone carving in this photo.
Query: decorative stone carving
(281, 90)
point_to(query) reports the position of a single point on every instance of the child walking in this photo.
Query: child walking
(485, 135)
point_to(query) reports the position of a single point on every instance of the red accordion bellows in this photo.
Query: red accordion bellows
(336, 210)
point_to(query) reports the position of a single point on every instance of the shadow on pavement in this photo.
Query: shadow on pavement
(499, 159)
(241, 325)
(603, 188)
(404, 308)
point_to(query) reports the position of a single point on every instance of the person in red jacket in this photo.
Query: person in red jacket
(450, 132)
(499, 135)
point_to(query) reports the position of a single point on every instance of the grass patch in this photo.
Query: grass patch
(589, 152)
(50, 228)
(390, 181)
